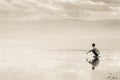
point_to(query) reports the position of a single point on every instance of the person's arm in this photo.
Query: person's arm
(89, 51)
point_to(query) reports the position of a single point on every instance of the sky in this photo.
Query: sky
(59, 9)
(93, 26)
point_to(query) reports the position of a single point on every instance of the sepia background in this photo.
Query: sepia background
(49, 39)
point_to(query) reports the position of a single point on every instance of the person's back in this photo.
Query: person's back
(95, 51)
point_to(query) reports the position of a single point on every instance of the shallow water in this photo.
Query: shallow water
(56, 65)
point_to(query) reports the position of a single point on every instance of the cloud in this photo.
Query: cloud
(59, 8)
(108, 1)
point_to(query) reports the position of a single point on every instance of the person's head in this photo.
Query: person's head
(93, 44)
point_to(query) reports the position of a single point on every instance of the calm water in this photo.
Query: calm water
(55, 65)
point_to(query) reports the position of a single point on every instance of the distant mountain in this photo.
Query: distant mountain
(101, 20)
(104, 21)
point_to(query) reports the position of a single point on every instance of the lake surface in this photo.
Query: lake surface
(57, 65)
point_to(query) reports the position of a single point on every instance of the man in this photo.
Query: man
(95, 61)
